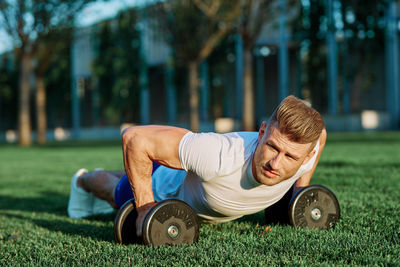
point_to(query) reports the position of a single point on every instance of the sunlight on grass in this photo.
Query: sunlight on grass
(362, 169)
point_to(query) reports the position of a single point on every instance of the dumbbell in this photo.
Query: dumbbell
(314, 206)
(170, 222)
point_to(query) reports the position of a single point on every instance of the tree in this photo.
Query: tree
(47, 47)
(308, 32)
(8, 96)
(58, 83)
(363, 27)
(116, 67)
(359, 29)
(255, 14)
(193, 28)
(29, 23)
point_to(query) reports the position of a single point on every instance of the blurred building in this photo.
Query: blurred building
(351, 97)
(163, 103)
(343, 106)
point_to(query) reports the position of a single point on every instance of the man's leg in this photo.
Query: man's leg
(91, 193)
(96, 192)
(101, 184)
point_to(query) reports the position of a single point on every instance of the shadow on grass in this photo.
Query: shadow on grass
(366, 165)
(364, 138)
(83, 144)
(50, 202)
(255, 219)
(56, 203)
(71, 144)
(84, 228)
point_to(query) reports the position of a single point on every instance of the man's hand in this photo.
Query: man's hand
(297, 188)
(142, 211)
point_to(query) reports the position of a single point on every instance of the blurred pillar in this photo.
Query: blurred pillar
(283, 53)
(346, 82)
(95, 104)
(143, 81)
(332, 62)
(1, 117)
(299, 86)
(392, 65)
(75, 109)
(74, 97)
(171, 90)
(144, 95)
(228, 96)
(94, 86)
(204, 91)
(260, 89)
(239, 76)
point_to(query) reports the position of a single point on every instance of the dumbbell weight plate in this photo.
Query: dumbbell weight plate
(125, 224)
(171, 222)
(315, 207)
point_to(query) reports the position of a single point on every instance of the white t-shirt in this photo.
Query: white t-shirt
(217, 180)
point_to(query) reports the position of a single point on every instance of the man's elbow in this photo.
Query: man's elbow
(129, 136)
(322, 137)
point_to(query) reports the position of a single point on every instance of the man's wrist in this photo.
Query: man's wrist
(141, 207)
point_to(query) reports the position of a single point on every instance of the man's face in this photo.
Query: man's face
(276, 157)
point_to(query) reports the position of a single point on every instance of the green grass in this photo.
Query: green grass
(362, 169)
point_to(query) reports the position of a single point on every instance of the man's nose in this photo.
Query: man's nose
(275, 161)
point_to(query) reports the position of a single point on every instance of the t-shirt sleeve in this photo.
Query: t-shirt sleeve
(211, 154)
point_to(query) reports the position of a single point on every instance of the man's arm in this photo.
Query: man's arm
(141, 145)
(305, 179)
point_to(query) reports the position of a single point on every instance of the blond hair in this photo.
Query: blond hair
(299, 122)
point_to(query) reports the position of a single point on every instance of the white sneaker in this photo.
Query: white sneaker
(80, 202)
(101, 206)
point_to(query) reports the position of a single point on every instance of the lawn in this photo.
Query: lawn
(362, 169)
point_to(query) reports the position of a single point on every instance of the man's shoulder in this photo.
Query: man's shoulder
(211, 154)
(217, 145)
(212, 136)
(247, 138)
(244, 135)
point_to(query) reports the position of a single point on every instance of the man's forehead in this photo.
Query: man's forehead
(283, 142)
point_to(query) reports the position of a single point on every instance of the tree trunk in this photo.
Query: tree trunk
(194, 96)
(24, 122)
(248, 91)
(41, 117)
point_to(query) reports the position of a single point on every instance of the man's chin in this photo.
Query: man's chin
(270, 181)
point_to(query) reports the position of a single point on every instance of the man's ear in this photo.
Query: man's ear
(262, 130)
(309, 156)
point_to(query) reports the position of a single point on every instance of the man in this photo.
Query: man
(221, 176)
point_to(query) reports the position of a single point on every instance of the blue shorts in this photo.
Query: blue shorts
(123, 191)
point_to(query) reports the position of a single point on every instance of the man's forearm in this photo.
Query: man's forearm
(305, 179)
(138, 167)
(143, 144)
